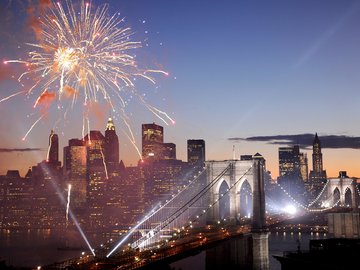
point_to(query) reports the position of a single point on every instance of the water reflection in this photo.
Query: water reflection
(31, 248)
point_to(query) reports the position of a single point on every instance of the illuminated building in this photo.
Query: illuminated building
(162, 179)
(304, 167)
(196, 152)
(74, 170)
(290, 173)
(53, 154)
(111, 148)
(96, 177)
(152, 141)
(318, 174)
(168, 151)
(289, 162)
(125, 204)
(16, 197)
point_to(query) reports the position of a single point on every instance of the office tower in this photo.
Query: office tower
(168, 151)
(162, 179)
(96, 177)
(152, 141)
(289, 162)
(126, 194)
(74, 170)
(318, 174)
(246, 157)
(111, 148)
(304, 167)
(196, 152)
(53, 150)
(290, 176)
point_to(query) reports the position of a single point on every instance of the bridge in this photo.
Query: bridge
(210, 212)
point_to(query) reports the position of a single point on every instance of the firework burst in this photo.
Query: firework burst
(85, 55)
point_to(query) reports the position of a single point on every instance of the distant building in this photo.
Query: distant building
(168, 151)
(318, 174)
(196, 152)
(304, 170)
(290, 170)
(111, 148)
(74, 170)
(289, 162)
(152, 141)
(246, 157)
(53, 151)
(96, 177)
(162, 179)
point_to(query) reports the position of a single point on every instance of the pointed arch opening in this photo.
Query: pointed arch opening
(336, 196)
(246, 202)
(348, 200)
(224, 202)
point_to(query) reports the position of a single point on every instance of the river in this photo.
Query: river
(33, 248)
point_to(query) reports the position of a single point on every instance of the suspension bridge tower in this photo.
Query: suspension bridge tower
(234, 174)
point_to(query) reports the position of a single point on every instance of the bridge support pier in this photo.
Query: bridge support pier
(260, 234)
(260, 250)
(252, 251)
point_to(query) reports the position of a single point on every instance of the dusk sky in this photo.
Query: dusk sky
(237, 69)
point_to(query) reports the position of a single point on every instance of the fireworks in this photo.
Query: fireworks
(88, 55)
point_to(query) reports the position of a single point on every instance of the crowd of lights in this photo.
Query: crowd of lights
(189, 223)
(306, 208)
(155, 210)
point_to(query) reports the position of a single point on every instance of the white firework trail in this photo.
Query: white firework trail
(68, 203)
(82, 52)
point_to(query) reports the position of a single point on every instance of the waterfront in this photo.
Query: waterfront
(39, 247)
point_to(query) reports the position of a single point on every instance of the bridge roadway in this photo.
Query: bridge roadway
(185, 244)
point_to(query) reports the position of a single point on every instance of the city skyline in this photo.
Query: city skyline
(239, 69)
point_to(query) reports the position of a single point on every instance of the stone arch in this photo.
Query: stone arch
(245, 179)
(220, 182)
(245, 200)
(224, 200)
(336, 195)
(348, 197)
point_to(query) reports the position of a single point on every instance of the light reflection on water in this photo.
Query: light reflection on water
(39, 247)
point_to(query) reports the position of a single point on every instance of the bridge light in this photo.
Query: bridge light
(290, 209)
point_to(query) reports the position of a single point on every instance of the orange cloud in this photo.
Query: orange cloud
(6, 71)
(96, 111)
(45, 98)
(69, 91)
(34, 12)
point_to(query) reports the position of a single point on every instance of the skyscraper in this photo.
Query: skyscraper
(96, 177)
(290, 175)
(289, 162)
(53, 151)
(304, 171)
(152, 141)
(318, 174)
(196, 152)
(111, 147)
(74, 170)
(168, 151)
